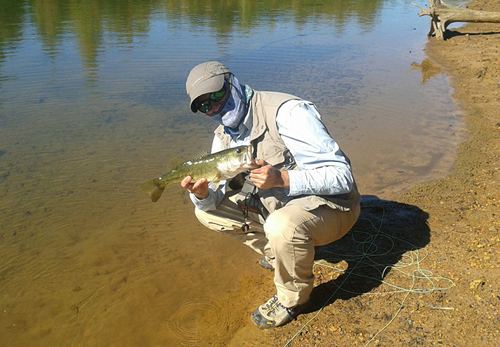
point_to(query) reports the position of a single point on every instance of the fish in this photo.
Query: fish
(214, 167)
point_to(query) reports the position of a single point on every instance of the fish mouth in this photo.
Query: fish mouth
(248, 159)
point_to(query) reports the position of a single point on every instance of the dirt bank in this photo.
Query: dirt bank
(464, 208)
(440, 241)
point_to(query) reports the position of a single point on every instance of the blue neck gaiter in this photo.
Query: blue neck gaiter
(235, 109)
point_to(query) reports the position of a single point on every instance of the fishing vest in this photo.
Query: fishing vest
(269, 146)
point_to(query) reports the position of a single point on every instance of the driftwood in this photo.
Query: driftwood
(443, 15)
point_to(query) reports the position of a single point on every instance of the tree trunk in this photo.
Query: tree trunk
(443, 15)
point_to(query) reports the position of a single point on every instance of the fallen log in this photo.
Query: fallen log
(443, 15)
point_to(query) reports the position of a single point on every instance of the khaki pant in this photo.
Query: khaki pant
(289, 235)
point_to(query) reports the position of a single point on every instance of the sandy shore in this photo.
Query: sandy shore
(464, 208)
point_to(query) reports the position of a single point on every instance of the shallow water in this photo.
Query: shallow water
(92, 102)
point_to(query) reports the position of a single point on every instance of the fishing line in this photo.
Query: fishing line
(408, 266)
(335, 292)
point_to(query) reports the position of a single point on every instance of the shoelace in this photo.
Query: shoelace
(274, 305)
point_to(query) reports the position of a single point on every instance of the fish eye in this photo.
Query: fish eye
(238, 150)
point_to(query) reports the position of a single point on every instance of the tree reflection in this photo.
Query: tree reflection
(91, 20)
(11, 16)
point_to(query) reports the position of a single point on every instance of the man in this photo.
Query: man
(303, 194)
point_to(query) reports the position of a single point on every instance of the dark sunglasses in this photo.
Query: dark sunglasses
(206, 106)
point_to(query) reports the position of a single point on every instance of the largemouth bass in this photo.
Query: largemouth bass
(214, 167)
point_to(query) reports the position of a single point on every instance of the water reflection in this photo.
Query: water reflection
(91, 20)
(429, 69)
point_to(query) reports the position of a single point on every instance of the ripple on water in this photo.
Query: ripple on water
(196, 321)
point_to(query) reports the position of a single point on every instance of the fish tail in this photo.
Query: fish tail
(153, 188)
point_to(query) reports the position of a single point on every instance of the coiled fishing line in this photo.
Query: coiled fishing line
(408, 266)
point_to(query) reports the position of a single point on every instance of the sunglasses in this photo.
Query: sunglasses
(206, 106)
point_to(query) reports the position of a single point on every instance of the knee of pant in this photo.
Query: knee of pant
(279, 228)
(204, 218)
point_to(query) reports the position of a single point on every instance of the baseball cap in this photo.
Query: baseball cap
(205, 78)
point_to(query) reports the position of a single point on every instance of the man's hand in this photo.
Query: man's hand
(198, 188)
(267, 176)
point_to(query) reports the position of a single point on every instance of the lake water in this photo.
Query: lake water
(92, 102)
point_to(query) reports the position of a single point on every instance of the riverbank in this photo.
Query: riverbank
(464, 208)
(445, 244)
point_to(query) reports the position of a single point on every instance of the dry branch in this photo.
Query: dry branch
(443, 15)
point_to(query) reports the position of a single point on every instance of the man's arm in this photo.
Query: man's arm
(324, 169)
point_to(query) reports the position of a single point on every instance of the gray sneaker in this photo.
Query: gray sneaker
(274, 314)
(266, 263)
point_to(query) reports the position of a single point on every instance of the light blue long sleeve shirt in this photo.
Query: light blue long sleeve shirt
(324, 169)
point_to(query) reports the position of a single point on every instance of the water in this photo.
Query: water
(92, 102)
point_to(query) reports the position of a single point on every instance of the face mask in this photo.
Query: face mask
(235, 109)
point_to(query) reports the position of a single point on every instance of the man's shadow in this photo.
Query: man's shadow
(384, 232)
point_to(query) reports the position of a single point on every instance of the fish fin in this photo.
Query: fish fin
(201, 154)
(175, 162)
(152, 188)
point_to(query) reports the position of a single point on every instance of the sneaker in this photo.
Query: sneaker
(274, 314)
(266, 263)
